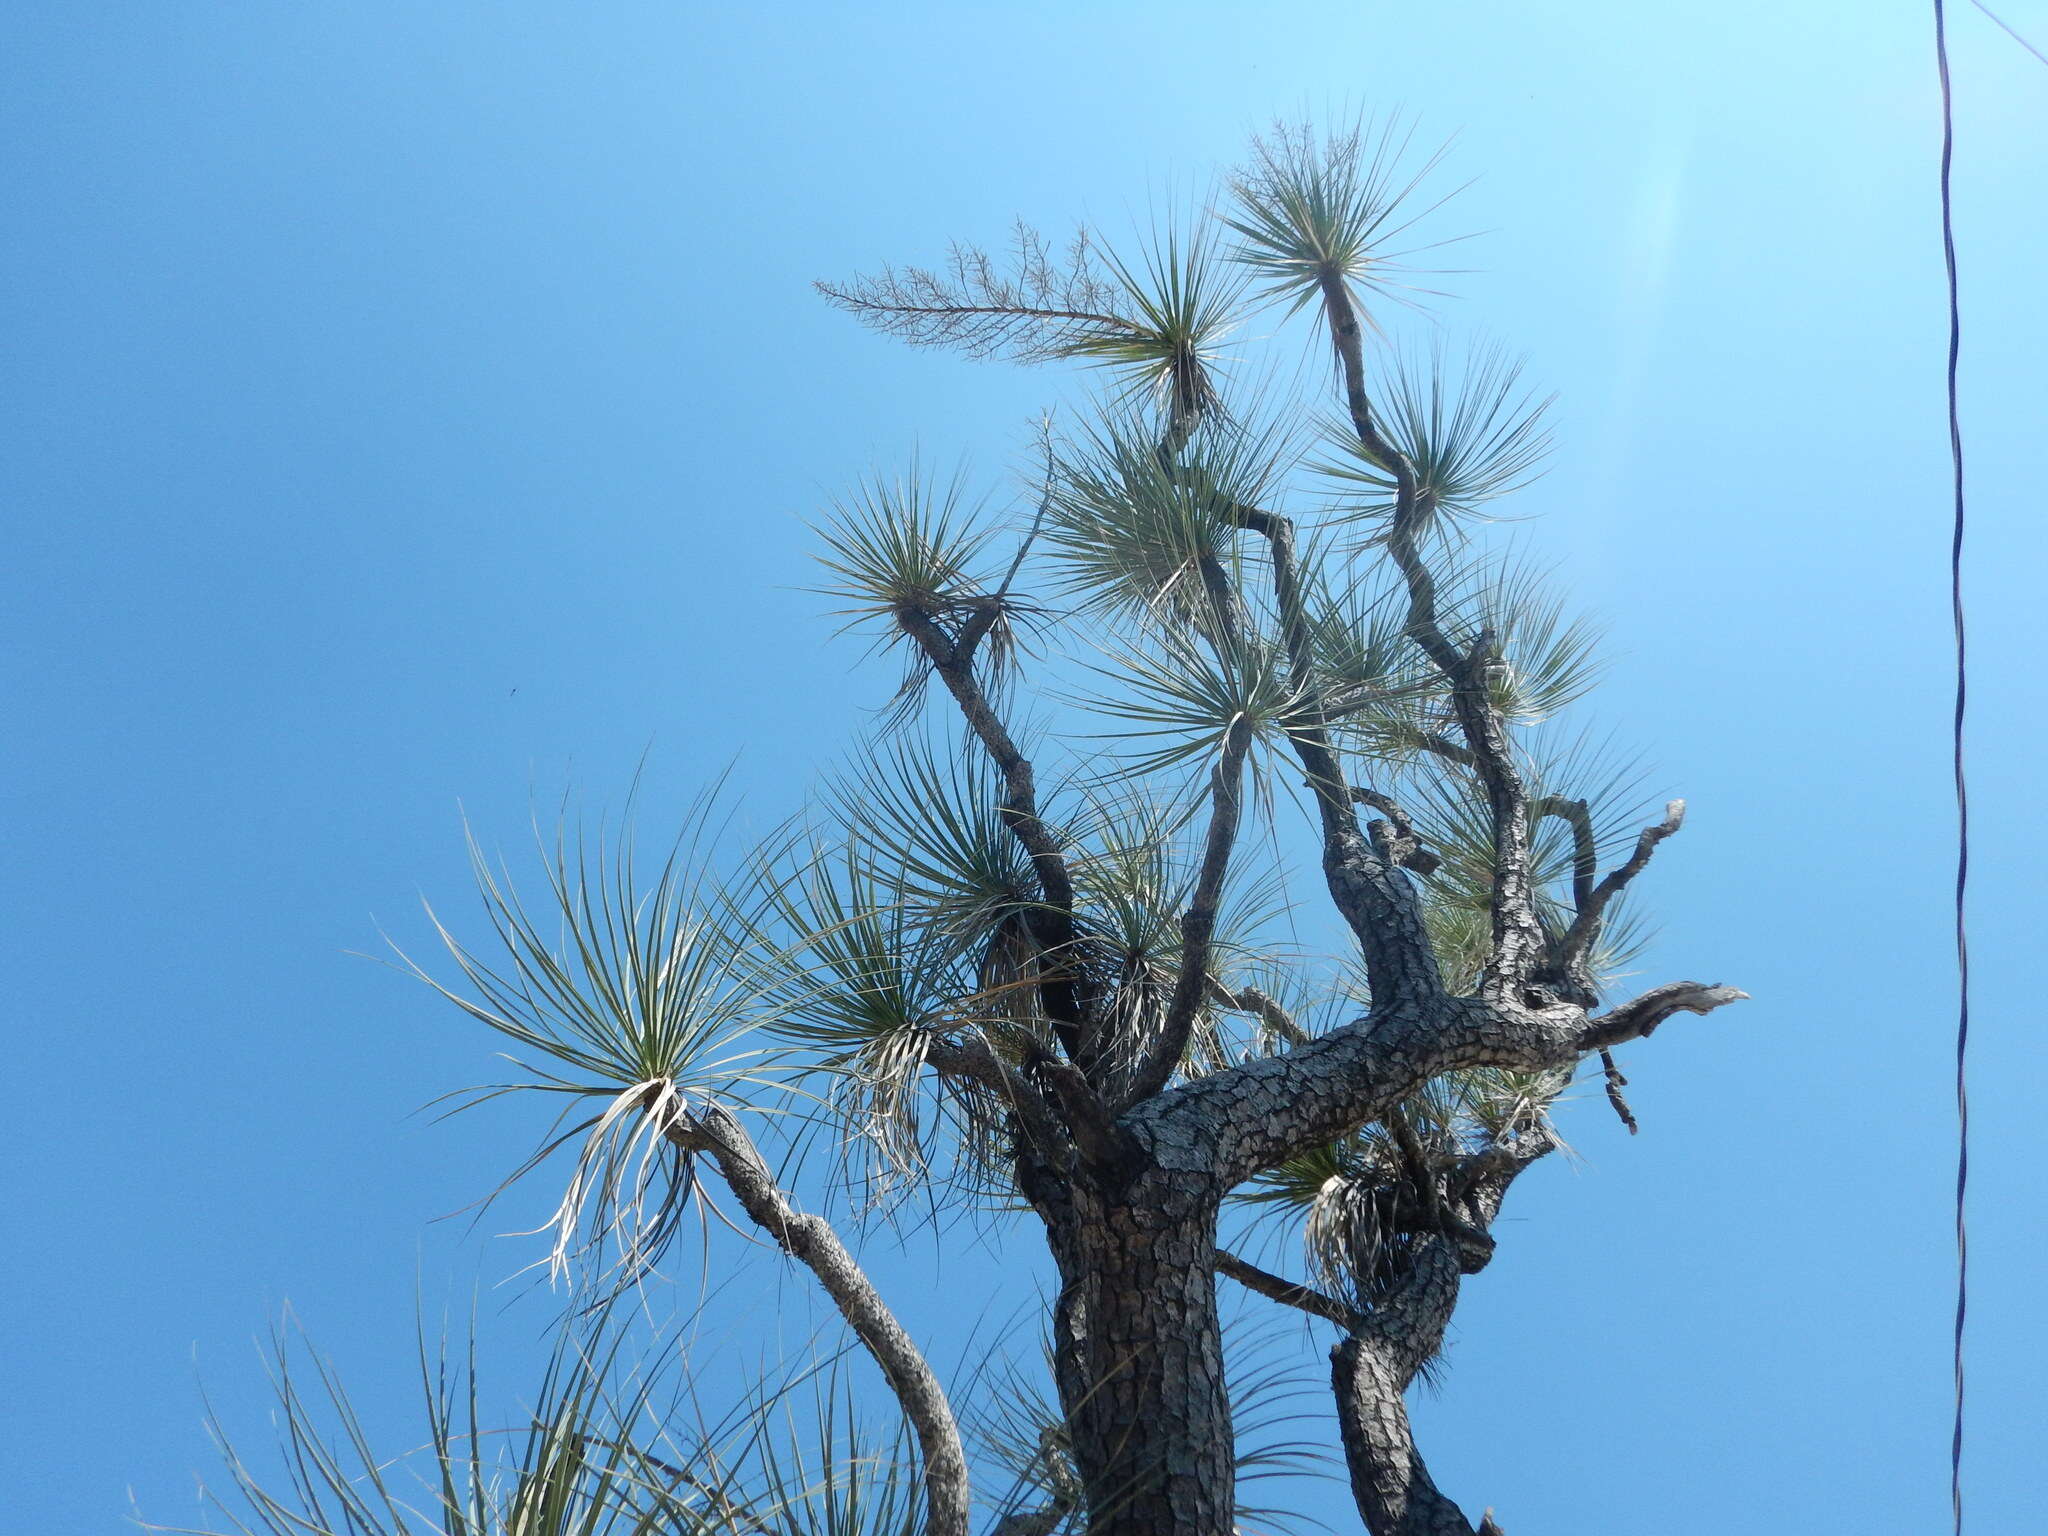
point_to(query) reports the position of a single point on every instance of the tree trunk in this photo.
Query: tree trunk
(1140, 1356)
(1392, 1486)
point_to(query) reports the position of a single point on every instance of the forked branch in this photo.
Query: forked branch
(1585, 926)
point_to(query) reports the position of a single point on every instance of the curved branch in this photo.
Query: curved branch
(1372, 1369)
(1577, 815)
(1379, 905)
(1517, 935)
(1393, 1489)
(1429, 741)
(1231, 1124)
(811, 1241)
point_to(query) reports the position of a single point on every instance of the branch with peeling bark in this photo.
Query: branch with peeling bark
(1370, 1371)
(1396, 838)
(1639, 1017)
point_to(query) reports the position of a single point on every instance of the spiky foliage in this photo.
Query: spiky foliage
(1144, 534)
(607, 1446)
(1471, 432)
(1156, 322)
(907, 544)
(1313, 208)
(638, 995)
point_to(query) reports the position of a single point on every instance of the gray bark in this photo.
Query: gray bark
(1137, 1330)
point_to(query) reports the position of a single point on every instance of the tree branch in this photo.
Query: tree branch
(1517, 935)
(1379, 905)
(1265, 1008)
(1231, 1124)
(1393, 1489)
(1372, 1369)
(1052, 923)
(1585, 926)
(974, 1061)
(1198, 924)
(1638, 1018)
(1432, 741)
(812, 1242)
(1276, 1288)
(1577, 815)
(1097, 1136)
(1403, 847)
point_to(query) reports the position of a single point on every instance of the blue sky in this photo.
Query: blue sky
(414, 409)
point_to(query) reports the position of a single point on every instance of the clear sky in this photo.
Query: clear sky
(417, 405)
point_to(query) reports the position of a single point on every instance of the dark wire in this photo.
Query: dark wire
(1955, 576)
(2007, 26)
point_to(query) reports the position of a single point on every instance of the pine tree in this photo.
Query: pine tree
(1039, 971)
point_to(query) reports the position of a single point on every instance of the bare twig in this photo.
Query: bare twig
(1615, 1083)
(1265, 1008)
(1586, 925)
(1274, 1287)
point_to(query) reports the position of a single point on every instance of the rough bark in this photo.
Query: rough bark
(1372, 1369)
(1392, 1487)
(1143, 1386)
